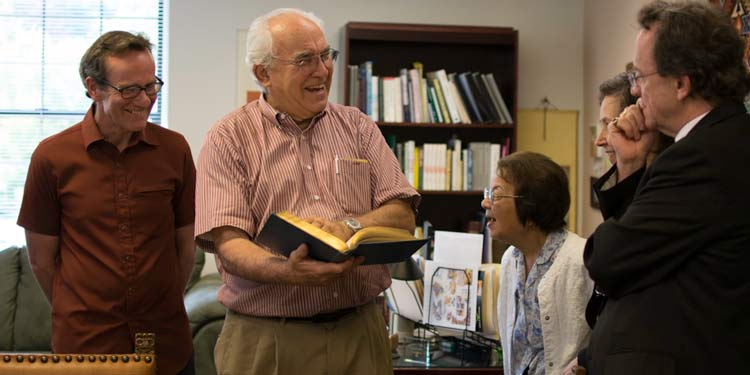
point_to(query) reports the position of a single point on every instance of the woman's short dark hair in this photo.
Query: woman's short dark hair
(618, 86)
(543, 186)
(113, 43)
(696, 39)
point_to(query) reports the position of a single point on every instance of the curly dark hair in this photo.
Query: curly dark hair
(543, 185)
(113, 43)
(617, 86)
(696, 39)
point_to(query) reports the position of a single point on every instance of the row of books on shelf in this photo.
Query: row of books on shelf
(434, 97)
(449, 166)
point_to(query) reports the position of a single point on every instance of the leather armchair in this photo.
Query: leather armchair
(206, 315)
(77, 364)
(143, 362)
(25, 314)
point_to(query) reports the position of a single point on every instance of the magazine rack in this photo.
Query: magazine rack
(469, 348)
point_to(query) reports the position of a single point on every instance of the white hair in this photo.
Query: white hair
(259, 39)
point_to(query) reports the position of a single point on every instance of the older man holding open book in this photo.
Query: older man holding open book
(293, 150)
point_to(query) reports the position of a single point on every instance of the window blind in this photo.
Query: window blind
(41, 92)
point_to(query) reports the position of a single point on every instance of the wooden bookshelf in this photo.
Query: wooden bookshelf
(385, 125)
(392, 46)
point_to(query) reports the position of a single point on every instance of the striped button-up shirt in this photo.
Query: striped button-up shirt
(256, 161)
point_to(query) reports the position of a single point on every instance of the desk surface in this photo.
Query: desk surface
(452, 371)
(422, 358)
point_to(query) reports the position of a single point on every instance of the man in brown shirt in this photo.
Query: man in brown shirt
(108, 210)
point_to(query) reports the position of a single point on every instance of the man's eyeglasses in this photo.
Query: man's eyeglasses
(634, 77)
(132, 91)
(310, 59)
(494, 198)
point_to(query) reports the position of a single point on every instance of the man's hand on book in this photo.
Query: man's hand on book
(305, 270)
(335, 228)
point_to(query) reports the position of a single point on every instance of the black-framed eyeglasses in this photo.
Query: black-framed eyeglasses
(634, 77)
(494, 198)
(130, 92)
(310, 59)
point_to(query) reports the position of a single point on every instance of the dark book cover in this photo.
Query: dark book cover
(481, 100)
(486, 98)
(283, 237)
(468, 96)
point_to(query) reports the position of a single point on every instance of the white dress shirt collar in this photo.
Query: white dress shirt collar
(688, 127)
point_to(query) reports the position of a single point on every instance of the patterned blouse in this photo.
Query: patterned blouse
(528, 347)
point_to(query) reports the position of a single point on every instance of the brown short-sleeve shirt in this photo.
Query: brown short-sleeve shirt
(116, 215)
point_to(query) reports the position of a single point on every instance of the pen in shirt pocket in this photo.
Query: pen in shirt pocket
(353, 160)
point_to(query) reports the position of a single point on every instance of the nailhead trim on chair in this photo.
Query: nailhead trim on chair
(91, 358)
(76, 364)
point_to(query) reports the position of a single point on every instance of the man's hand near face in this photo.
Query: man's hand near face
(631, 140)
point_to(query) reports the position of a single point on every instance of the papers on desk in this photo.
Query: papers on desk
(458, 247)
(450, 295)
(405, 299)
(457, 292)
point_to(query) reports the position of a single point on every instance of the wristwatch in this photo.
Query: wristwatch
(352, 224)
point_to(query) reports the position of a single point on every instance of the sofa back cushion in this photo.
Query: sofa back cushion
(32, 328)
(9, 269)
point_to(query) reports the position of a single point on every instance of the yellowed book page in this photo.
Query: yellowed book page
(379, 234)
(330, 239)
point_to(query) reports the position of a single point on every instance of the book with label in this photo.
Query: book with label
(284, 232)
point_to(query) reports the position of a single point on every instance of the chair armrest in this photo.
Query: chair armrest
(70, 364)
(201, 303)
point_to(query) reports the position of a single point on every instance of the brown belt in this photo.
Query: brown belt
(328, 317)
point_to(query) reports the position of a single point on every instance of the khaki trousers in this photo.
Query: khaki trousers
(355, 344)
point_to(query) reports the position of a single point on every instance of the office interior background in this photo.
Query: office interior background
(566, 48)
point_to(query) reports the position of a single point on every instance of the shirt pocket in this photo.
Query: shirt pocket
(153, 200)
(157, 192)
(351, 185)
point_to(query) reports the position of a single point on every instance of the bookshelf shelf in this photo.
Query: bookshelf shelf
(456, 49)
(386, 125)
(473, 193)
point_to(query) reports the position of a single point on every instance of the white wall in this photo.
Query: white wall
(609, 43)
(202, 79)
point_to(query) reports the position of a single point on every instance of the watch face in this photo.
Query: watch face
(353, 224)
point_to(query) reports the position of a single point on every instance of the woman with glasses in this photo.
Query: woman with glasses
(544, 286)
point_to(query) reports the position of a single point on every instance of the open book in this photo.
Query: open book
(284, 232)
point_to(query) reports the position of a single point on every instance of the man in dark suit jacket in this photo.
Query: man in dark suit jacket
(675, 265)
